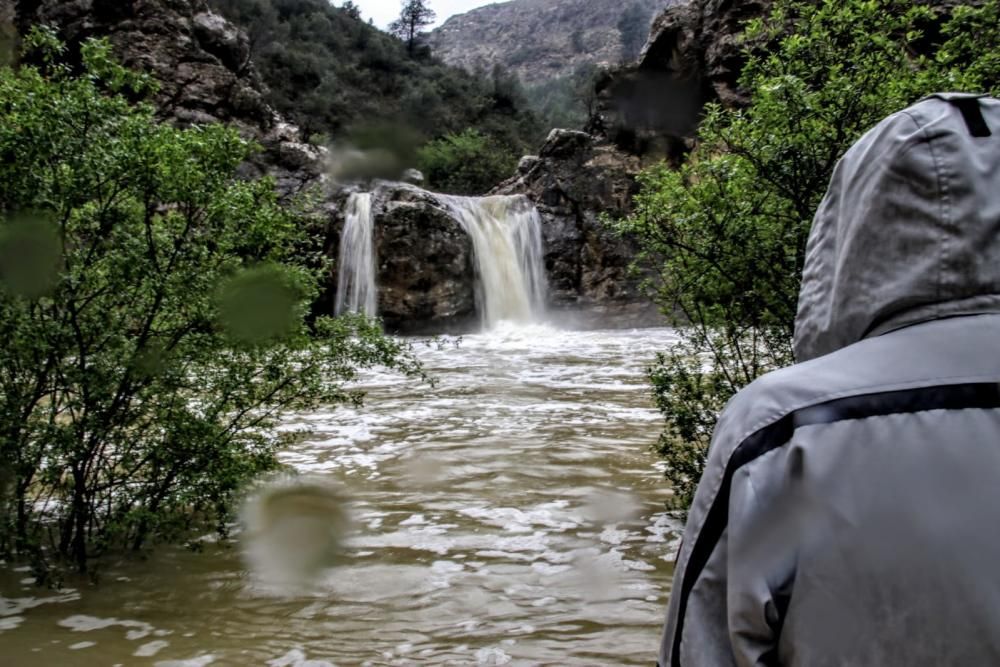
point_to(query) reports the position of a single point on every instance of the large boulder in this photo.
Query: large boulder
(424, 261)
(424, 264)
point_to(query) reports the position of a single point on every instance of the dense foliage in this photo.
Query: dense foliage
(153, 310)
(338, 77)
(726, 232)
(468, 163)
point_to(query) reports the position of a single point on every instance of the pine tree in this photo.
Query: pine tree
(414, 16)
(352, 9)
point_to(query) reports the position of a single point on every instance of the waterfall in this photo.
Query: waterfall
(506, 238)
(356, 292)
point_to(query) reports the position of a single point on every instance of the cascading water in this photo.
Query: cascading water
(506, 237)
(356, 291)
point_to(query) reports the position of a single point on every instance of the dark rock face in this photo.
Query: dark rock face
(425, 264)
(693, 56)
(202, 63)
(425, 269)
(574, 178)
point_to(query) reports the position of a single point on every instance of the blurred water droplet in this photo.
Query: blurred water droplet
(150, 361)
(294, 529)
(420, 471)
(596, 576)
(258, 305)
(347, 163)
(376, 150)
(30, 256)
(609, 506)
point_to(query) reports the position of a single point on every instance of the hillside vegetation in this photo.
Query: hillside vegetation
(340, 78)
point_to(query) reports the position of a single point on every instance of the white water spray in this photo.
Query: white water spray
(506, 235)
(356, 291)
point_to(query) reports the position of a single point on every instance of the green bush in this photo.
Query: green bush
(725, 234)
(468, 163)
(153, 310)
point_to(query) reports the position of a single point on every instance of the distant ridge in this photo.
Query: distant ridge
(544, 40)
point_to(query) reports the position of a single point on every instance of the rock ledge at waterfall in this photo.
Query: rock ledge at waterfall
(424, 263)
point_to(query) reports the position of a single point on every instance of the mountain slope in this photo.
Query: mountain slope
(336, 77)
(545, 40)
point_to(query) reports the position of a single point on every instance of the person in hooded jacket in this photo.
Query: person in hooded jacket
(849, 512)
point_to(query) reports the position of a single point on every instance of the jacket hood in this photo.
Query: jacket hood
(909, 229)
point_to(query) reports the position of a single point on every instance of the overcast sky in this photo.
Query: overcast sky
(384, 11)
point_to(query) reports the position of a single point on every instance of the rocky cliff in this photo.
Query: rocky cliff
(202, 63)
(693, 56)
(542, 40)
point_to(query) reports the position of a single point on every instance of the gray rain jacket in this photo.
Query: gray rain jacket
(849, 512)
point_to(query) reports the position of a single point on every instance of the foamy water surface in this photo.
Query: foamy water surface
(511, 515)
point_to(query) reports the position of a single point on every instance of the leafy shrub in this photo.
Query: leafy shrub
(468, 163)
(726, 233)
(153, 310)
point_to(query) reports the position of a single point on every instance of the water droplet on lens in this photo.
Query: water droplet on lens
(294, 529)
(30, 257)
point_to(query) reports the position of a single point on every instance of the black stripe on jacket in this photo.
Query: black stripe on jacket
(779, 433)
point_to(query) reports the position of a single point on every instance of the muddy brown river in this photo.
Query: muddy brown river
(513, 515)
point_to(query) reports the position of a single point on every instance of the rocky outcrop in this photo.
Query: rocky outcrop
(425, 272)
(424, 261)
(702, 40)
(574, 179)
(540, 40)
(693, 56)
(202, 63)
